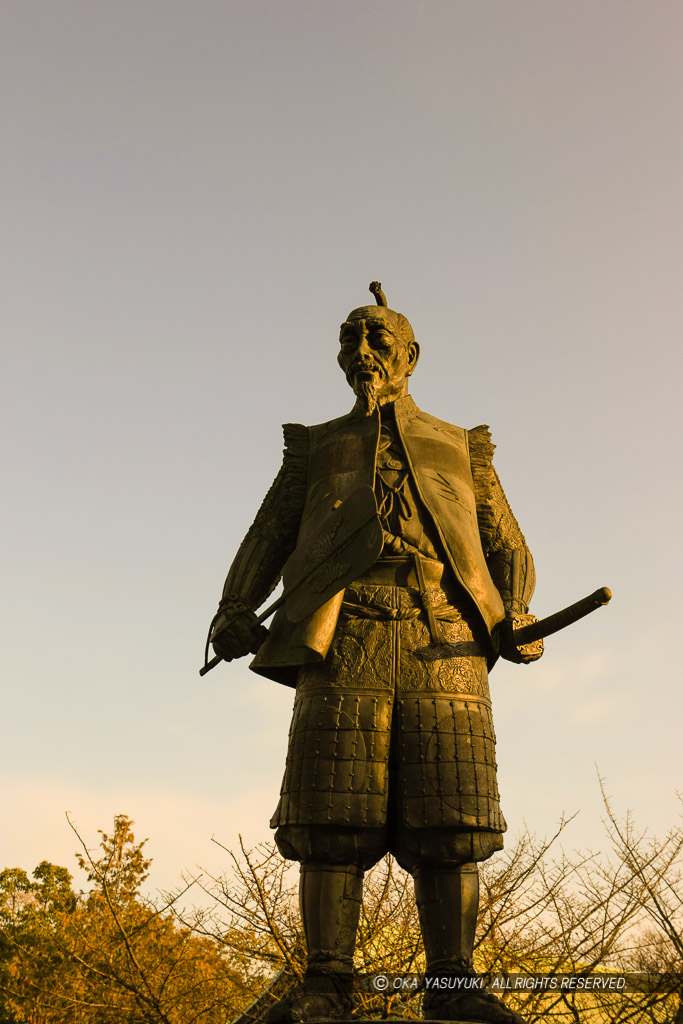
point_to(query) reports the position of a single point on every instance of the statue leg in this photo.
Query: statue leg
(443, 863)
(333, 862)
(330, 898)
(447, 902)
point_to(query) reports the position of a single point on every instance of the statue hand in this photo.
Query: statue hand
(509, 650)
(236, 630)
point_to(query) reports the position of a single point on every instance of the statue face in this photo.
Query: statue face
(374, 356)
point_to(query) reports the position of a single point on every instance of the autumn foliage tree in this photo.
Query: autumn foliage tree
(106, 954)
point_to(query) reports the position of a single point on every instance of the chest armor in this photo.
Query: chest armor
(342, 457)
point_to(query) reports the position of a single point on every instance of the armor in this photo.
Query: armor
(328, 462)
(367, 664)
(375, 683)
(391, 744)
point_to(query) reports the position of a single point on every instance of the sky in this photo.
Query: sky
(194, 197)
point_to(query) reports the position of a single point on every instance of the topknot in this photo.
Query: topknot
(376, 289)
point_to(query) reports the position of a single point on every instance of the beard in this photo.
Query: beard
(366, 396)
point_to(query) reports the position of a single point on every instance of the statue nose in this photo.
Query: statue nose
(362, 347)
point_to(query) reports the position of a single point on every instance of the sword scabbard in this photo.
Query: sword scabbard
(565, 617)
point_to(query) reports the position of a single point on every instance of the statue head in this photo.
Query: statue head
(378, 352)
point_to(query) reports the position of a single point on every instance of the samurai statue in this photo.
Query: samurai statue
(391, 746)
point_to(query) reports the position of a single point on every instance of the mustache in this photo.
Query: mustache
(366, 366)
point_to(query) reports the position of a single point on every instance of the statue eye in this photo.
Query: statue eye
(381, 335)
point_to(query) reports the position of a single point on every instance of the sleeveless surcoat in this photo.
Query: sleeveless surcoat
(341, 456)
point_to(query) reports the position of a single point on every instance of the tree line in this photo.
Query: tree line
(108, 953)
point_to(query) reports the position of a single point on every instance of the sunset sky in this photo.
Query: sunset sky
(195, 195)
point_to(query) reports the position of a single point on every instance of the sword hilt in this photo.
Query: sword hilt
(261, 618)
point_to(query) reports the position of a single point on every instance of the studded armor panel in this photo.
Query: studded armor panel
(389, 712)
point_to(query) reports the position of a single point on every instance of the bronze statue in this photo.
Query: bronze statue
(391, 746)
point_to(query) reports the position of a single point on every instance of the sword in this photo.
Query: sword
(524, 635)
(552, 623)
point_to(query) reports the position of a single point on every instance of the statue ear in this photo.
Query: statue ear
(413, 356)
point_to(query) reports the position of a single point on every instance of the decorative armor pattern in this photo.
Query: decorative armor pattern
(337, 768)
(383, 711)
(447, 772)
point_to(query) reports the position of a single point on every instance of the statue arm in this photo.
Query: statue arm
(270, 540)
(257, 566)
(498, 528)
(507, 556)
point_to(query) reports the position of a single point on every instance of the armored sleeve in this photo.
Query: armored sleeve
(271, 538)
(498, 528)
